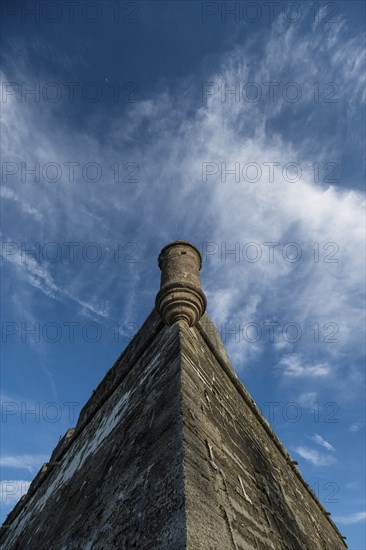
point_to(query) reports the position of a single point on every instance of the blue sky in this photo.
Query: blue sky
(243, 133)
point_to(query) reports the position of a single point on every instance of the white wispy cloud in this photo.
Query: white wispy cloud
(295, 366)
(184, 133)
(23, 462)
(38, 276)
(7, 193)
(322, 442)
(307, 399)
(356, 427)
(314, 457)
(357, 517)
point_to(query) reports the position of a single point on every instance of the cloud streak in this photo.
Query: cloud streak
(350, 519)
(296, 367)
(23, 462)
(314, 457)
(322, 442)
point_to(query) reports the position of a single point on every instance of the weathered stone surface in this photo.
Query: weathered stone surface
(120, 483)
(241, 490)
(171, 453)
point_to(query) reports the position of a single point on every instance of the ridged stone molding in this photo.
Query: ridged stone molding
(180, 296)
